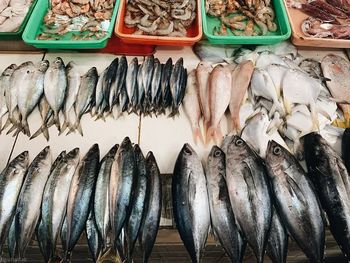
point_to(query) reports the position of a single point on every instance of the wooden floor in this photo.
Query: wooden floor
(169, 249)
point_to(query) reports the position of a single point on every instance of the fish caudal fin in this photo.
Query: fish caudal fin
(197, 135)
(214, 133)
(25, 127)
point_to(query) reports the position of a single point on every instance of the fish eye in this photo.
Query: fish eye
(239, 142)
(217, 153)
(187, 151)
(277, 150)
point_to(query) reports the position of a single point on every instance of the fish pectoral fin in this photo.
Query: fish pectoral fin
(295, 190)
(191, 192)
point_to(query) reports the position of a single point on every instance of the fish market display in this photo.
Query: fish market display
(326, 18)
(242, 18)
(63, 96)
(160, 18)
(76, 194)
(190, 202)
(331, 180)
(292, 188)
(12, 14)
(270, 89)
(77, 19)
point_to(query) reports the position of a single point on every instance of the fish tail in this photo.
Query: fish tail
(45, 132)
(197, 135)
(37, 133)
(214, 133)
(79, 128)
(14, 127)
(56, 121)
(64, 126)
(7, 123)
(174, 112)
(25, 127)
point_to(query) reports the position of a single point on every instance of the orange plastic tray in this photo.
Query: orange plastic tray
(194, 34)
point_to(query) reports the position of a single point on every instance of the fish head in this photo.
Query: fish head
(21, 161)
(187, 150)
(58, 63)
(334, 63)
(25, 65)
(277, 156)
(138, 154)
(238, 148)
(9, 70)
(92, 72)
(125, 147)
(70, 66)
(216, 158)
(113, 150)
(151, 163)
(73, 153)
(43, 66)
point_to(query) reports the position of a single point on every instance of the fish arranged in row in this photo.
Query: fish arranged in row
(147, 88)
(120, 194)
(250, 201)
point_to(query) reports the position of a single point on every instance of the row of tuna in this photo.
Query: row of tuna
(245, 199)
(147, 88)
(115, 201)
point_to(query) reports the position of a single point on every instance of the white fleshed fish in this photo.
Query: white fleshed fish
(202, 74)
(219, 99)
(191, 106)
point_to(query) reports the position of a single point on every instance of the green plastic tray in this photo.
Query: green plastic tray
(33, 28)
(18, 34)
(283, 32)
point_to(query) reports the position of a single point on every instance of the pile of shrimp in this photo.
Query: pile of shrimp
(88, 16)
(242, 17)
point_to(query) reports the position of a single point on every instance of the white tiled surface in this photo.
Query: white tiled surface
(162, 135)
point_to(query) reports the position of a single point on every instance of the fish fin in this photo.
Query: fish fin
(1, 124)
(214, 133)
(197, 135)
(37, 133)
(46, 133)
(14, 127)
(79, 128)
(64, 127)
(56, 119)
(25, 127)
(287, 106)
(7, 123)
(324, 113)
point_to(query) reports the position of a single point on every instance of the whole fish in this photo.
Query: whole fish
(29, 95)
(100, 101)
(53, 208)
(141, 196)
(155, 84)
(153, 207)
(41, 231)
(248, 188)
(147, 75)
(109, 81)
(80, 197)
(131, 82)
(331, 180)
(296, 201)
(222, 217)
(140, 91)
(119, 80)
(241, 76)
(5, 87)
(192, 107)
(215, 54)
(190, 202)
(85, 96)
(101, 198)
(335, 68)
(345, 148)
(73, 83)
(277, 244)
(165, 85)
(11, 181)
(122, 181)
(176, 86)
(123, 100)
(202, 74)
(20, 78)
(93, 237)
(29, 201)
(55, 86)
(219, 92)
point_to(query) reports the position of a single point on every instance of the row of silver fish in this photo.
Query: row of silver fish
(115, 201)
(150, 87)
(247, 200)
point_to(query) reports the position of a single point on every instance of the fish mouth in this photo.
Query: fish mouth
(126, 141)
(187, 149)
